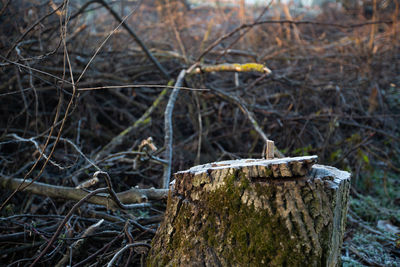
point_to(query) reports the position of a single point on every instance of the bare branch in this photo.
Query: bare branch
(133, 195)
(137, 39)
(168, 128)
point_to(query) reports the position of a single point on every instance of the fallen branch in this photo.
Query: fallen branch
(66, 218)
(134, 195)
(248, 67)
(77, 245)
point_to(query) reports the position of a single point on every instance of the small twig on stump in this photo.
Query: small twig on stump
(269, 150)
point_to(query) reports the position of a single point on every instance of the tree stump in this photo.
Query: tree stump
(254, 212)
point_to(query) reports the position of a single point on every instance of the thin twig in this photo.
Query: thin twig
(94, 255)
(32, 27)
(266, 8)
(136, 38)
(249, 115)
(200, 122)
(168, 128)
(244, 26)
(3, 9)
(141, 86)
(32, 140)
(66, 218)
(121, 22)
(114, 195)
(119, 253)
(34, 69)
(79, 243)
(117, 140)
(47, 141)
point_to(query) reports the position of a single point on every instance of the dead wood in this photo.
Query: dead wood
(254, 212)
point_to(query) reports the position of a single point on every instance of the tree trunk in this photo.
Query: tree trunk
(279, 212)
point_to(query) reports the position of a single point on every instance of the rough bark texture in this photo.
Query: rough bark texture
(282, 212)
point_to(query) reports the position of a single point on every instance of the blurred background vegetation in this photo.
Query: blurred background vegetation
(67, 68)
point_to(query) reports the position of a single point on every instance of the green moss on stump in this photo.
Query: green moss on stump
(255, 237)
(252, 236)
(239, 223)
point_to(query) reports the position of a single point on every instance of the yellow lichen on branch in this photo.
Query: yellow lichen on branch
(234, 67)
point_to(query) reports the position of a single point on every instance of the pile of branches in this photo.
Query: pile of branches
(101, 101)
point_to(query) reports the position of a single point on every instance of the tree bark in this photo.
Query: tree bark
(279, 212)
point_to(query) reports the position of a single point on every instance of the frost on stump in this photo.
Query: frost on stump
(254, 212)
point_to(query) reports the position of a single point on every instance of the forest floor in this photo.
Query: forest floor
(81, 93)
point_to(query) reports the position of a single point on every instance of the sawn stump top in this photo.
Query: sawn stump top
(261, 168)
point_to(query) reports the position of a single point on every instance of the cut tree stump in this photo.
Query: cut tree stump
(254, 212)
